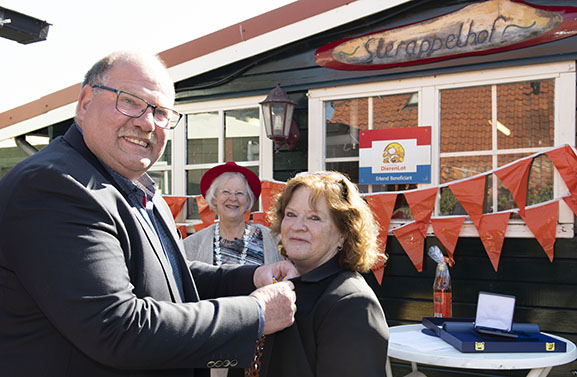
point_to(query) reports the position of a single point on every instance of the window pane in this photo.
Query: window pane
(526, 114)
(401, 110)
(540, 186)
(242, 130)
(163, 179)
(202, 138)
(465, 117)
(344, 119)
(193, 188)
(193, 181)
(350, 169)
(455, 168)
(166, 157)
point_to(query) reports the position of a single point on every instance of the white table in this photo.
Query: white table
(410, 344)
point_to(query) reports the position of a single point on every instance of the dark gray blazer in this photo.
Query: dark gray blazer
(85, 289)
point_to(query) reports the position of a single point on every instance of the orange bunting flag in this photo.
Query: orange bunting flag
(182, 230)
(206, 214)
(565, 161)
(492, 228)
(447, 230)
(175, 203)
(542, 220)
(379, 269)
(515, 177)
(269, 191)
(382, 206)
(470, 194)
(413, 242)
(260, 218)
(422, 203)
(571, 201)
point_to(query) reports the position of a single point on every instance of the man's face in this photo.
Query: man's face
(127, 145)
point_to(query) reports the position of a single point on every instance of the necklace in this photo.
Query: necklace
(217, 255)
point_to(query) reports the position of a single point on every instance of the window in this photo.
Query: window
(496, 125)
(479, 121)
(215, 132)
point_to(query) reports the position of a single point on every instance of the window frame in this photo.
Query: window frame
(179, 163)
(428, 89)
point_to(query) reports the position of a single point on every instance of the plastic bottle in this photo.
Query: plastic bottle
(442, 293)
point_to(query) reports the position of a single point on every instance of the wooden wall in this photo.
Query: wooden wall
(546, 292)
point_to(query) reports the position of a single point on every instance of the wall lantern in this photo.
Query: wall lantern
(280, 127)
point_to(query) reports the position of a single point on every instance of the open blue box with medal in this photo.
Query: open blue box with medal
(492, 330)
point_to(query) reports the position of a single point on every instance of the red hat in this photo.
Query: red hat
(211, 174)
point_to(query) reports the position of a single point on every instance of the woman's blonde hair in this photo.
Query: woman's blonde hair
(350, 213)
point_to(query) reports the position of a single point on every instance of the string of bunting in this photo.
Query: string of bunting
(541, 219)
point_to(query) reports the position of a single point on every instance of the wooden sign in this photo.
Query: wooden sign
(477, 29)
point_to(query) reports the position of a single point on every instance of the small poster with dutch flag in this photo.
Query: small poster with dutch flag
(395, 156)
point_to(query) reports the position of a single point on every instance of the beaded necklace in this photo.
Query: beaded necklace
(217, 254)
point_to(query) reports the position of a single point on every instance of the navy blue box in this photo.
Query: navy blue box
(460, 333)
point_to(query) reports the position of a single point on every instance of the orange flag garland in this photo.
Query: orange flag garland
(422, 203)
(447, 230)
(470, 194)
(542, 220)
(492, 228)
(515, 177)
(413, 242)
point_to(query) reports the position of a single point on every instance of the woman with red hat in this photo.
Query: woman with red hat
(231, 190)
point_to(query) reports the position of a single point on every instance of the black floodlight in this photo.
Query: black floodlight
(22, 28)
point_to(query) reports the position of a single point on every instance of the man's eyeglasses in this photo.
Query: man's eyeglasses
(134, 106)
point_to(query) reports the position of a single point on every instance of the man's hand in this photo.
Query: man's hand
(282, 271)
(278, 305)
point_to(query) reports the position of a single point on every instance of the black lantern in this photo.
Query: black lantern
(280, 127)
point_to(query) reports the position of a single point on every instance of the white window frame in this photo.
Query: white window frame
(265, 162)
(428, 88)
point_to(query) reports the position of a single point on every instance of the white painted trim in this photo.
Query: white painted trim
(41, 121)
(279, 37)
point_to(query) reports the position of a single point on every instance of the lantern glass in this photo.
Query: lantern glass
(267, 118)
(277, 111)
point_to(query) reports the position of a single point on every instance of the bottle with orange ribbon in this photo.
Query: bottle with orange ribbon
(442, 292)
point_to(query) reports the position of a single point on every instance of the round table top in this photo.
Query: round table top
(408, 343)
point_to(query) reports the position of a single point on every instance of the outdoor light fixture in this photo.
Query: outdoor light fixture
(22, 28)
(280, 127)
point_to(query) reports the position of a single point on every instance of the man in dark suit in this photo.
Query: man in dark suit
(93, 281)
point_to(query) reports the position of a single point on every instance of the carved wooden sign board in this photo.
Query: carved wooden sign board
(477, 29)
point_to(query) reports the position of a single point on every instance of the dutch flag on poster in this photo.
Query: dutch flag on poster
(395, 156)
